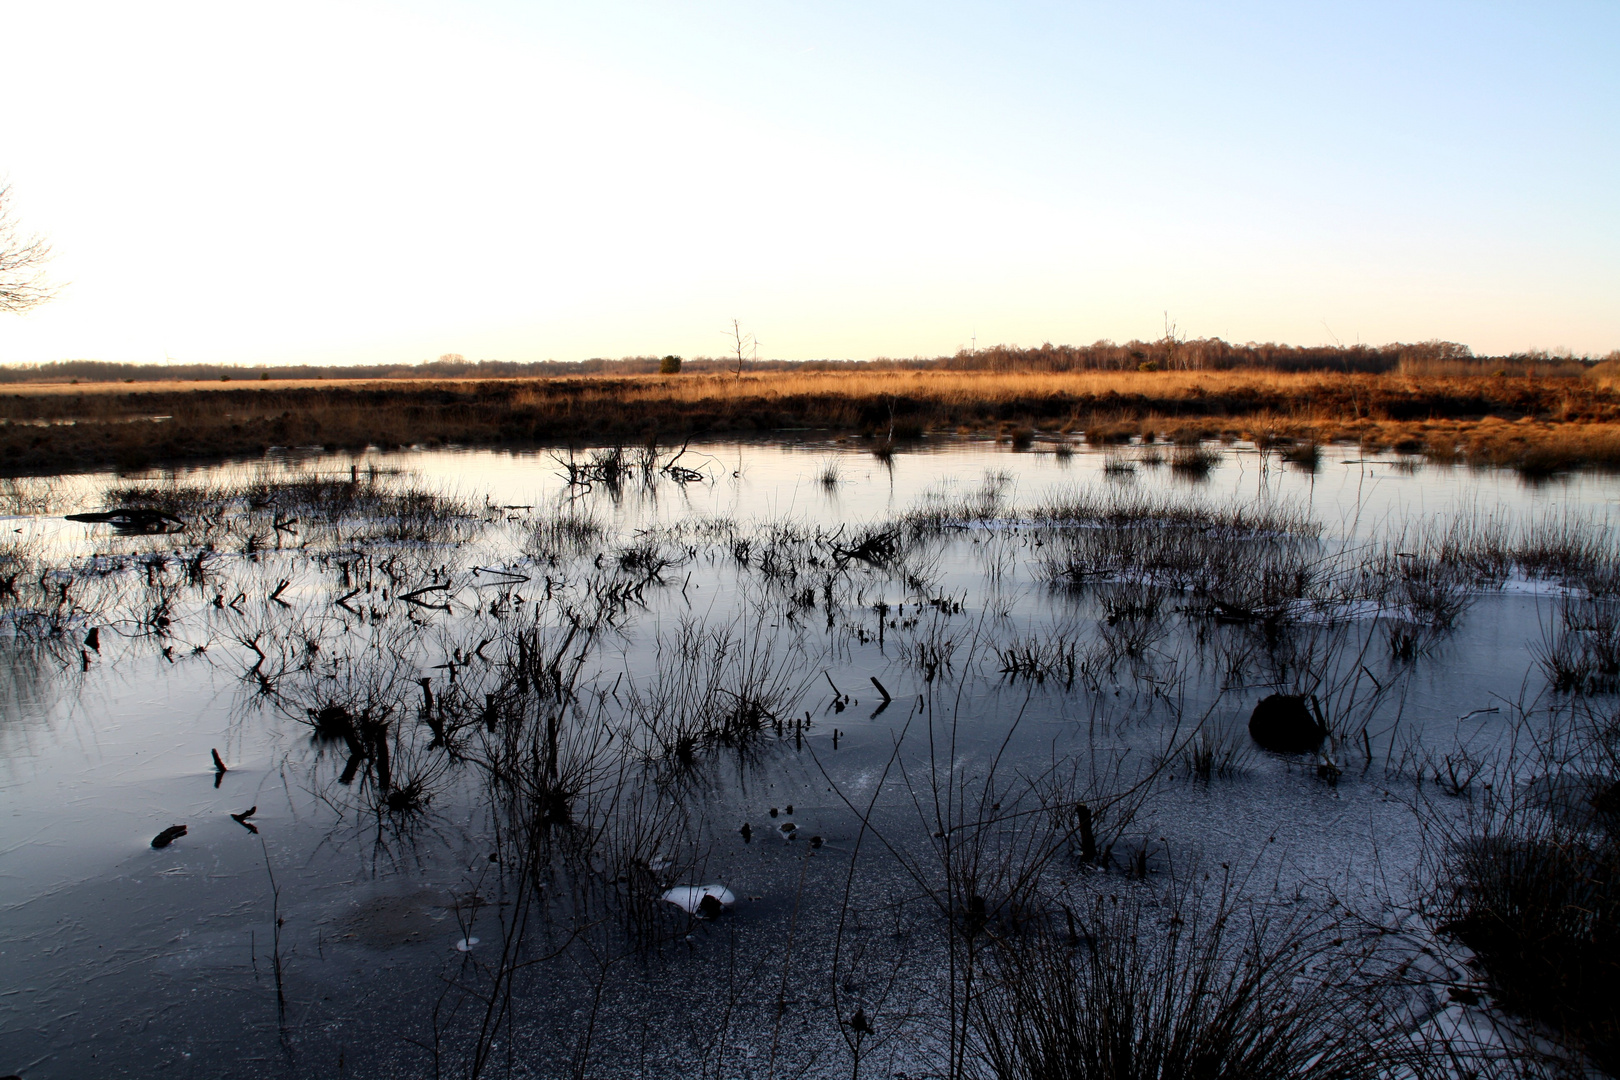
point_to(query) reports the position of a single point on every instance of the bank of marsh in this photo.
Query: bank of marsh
(1540, 419)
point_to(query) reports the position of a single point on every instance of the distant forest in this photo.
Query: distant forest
(1165, 354)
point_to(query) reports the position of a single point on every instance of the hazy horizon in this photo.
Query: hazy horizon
(361, 183)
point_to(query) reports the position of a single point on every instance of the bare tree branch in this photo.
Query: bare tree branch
(22, 279)
(741, 344)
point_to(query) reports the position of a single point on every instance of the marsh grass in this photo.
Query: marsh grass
(1477, 418)
(1231, 569)
(1219, 750)
(30, 495)
(1580, 650)
(1003, 840)
(272, 511)
(1054, 655)
(1435, 592)
(725, 685)
(1117, 464)
(1529, 879)
(562, 537)
(1193, 462)
(831, 474)
(1091, 507)
(1304, 455)
(1188, 985)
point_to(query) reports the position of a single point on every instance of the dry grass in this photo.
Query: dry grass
(1534, 423)
(1529, 879)
(1191, 988)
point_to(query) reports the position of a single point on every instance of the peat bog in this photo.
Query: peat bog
(795, 760)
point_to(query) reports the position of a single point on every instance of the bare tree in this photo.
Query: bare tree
(742, 344)
(22, 281)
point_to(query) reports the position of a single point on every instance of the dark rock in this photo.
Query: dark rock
(710, 907)
(168, 836)
(1283, 722)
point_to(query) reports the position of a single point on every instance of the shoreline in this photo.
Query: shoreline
(1536, 424)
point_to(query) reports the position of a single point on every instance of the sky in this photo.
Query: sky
(366, 182)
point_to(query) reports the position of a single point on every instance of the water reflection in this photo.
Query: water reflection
(907, 711)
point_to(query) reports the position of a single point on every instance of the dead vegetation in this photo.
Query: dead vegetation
(1529, 879)
(554, 671)
(1537, 423)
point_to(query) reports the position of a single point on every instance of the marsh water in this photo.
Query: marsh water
(487, 715)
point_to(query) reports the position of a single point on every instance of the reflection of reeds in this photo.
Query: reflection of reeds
(564, 536)
(1117, 464)
(264, 512)
(1193, 462)
(1580, 652)
(1305, 455)
(1039, 657)
(29, 495)
(719, 685)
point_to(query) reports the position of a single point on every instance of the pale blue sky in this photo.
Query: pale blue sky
(364, 182)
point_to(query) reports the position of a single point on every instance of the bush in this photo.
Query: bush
(669, 365)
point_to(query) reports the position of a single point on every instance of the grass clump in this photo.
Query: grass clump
(1217, 750)
(1580, 654)
(1531, 883)
(1194, 462)
(1305, 455)
(1142, 989)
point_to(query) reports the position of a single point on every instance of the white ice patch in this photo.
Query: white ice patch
(689, 898)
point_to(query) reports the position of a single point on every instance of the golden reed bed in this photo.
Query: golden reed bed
(1535, 423)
